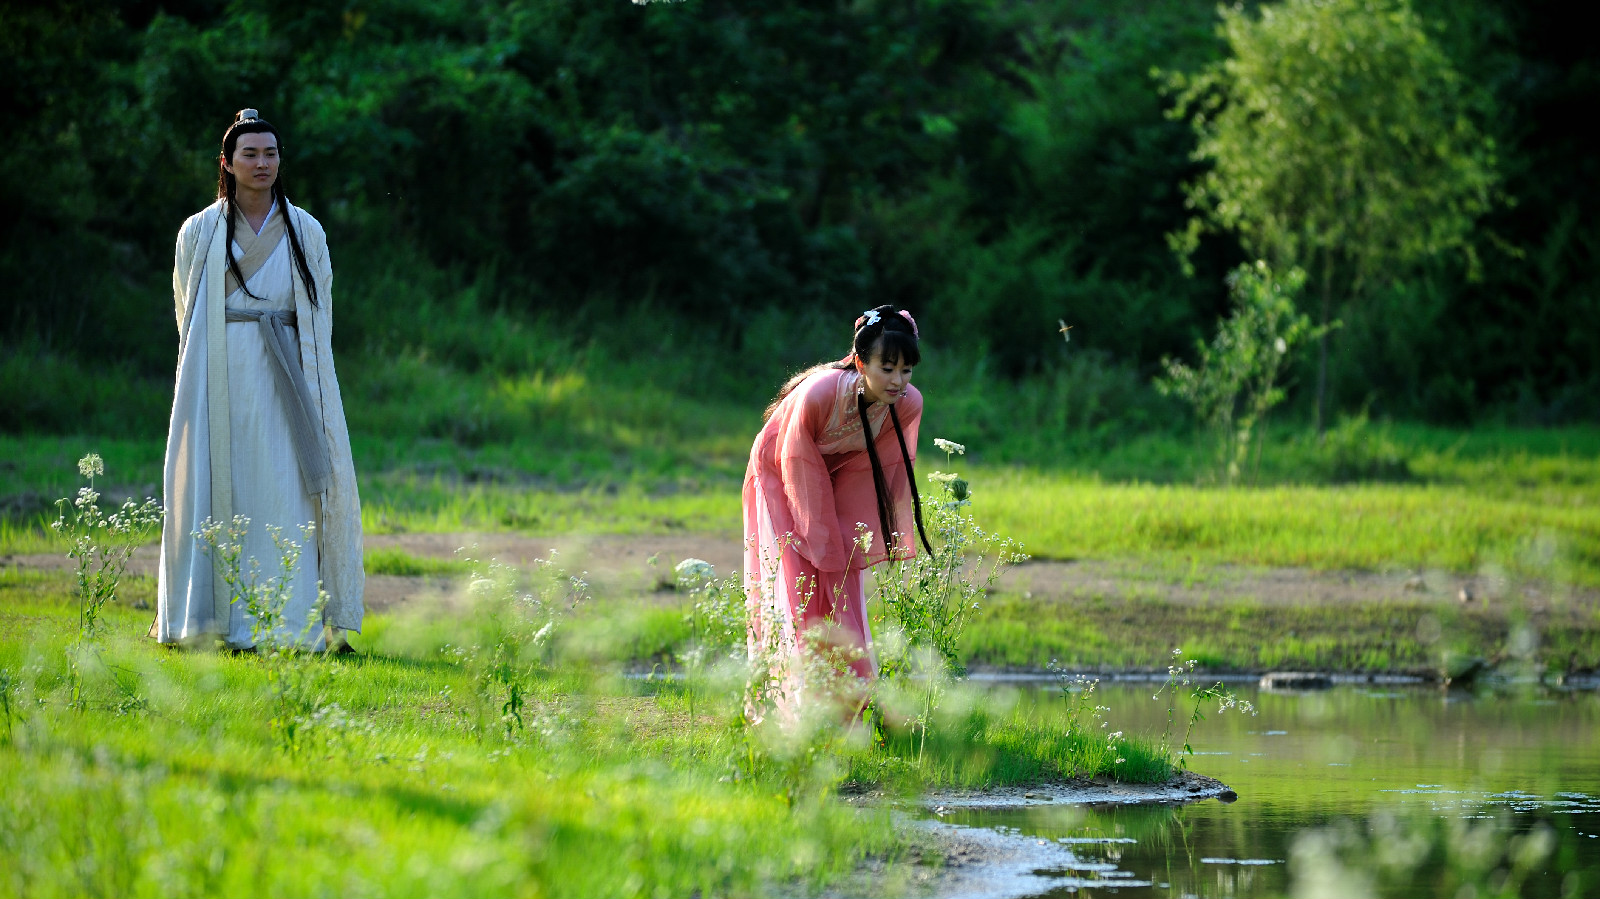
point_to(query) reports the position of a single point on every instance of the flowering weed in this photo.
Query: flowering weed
(1178, 679)
(101, 545)
(299, 680)
(928, 600)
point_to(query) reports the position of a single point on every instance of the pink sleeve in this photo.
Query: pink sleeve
(807, 486)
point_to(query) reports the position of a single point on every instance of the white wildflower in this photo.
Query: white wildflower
(693, 572)
(92, 466)
(950, 446)
(863, 536)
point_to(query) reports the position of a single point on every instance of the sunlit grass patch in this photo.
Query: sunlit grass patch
(398, 562)
(30, 536)
(1373, 527)
(974, 748)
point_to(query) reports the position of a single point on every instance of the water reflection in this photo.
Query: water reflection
(1348, 791)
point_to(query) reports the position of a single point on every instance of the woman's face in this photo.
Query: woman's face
(884, 380)
(255, 162)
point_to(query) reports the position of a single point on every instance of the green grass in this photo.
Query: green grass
(1553, 533)
(1095, 632)
(400, 503)
(1537, 517)
(1090, 631)
(403, 564)
(1520, 503)
(416, 786)
(974, 745)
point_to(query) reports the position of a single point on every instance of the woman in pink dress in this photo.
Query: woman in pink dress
(830, 491)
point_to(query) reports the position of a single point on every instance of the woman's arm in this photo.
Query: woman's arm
(807, 485)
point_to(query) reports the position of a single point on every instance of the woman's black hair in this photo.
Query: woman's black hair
(892, 334)
(249, 122)
(885, 503)
(886, 323)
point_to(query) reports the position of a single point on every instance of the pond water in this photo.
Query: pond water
(1354, 790)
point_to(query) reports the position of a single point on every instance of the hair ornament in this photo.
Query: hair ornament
(246, 116)
(907, 316)
(867, 319)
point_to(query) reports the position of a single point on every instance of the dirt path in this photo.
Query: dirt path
(622, 564)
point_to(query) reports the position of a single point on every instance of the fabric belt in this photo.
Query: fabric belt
(304, 426)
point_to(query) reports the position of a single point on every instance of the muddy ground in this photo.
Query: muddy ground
(623, 564)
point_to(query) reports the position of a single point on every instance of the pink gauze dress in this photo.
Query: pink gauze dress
(808, 492)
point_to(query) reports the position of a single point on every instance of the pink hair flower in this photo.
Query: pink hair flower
(907, 316)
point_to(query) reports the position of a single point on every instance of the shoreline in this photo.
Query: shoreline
(1183, 788)
(1302, 680)
(998, 863)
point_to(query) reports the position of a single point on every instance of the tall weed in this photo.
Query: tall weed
(929, 599)
(101, 546)
(1178, 679)
(519, 615)
(298, 679)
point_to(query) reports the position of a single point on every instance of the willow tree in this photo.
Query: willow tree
(1340, 139)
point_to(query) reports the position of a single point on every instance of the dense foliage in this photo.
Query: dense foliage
(748, 174)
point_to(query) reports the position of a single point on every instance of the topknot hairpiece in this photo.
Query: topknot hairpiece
(246, 116)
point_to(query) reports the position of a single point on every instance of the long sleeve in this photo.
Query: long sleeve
(182, 263)
(807, 485)
(316, 249)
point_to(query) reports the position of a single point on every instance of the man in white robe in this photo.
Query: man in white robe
(251, 371)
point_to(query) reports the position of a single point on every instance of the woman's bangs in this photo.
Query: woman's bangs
(899, 346)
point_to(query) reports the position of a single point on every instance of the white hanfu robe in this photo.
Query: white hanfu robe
(253, 466)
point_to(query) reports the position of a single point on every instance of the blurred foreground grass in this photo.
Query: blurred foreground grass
(410, 779)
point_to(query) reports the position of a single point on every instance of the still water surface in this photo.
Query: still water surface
(1363, 780)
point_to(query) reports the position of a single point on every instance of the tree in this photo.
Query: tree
(1238, 379)
(1340, 139)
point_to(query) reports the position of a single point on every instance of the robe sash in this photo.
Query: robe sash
(304, 425)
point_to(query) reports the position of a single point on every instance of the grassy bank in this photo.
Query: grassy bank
(408, 775)
(1135, 630)
(1429, 639)
(1515, 506)
(1373, 527)
(1524, 501)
